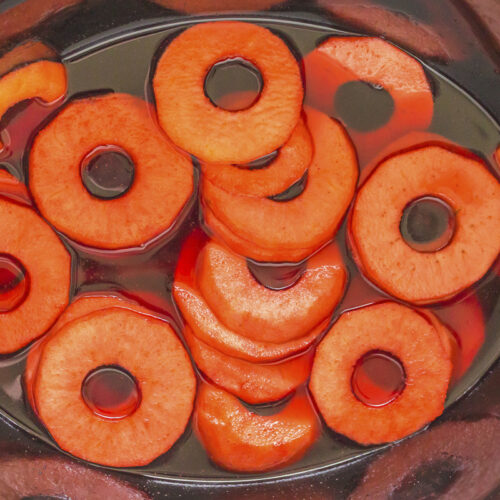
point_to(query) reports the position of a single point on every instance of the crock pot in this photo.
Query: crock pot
(460, 39)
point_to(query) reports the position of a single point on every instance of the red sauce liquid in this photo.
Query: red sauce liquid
(378, 379)
(107, 172)
(233, 84)
(276, 276)
(111, 392)
(428, 224)
(466, 321)
(14, 283)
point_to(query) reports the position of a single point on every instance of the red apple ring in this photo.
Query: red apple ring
(239, 440)
(340, 60)
(212, 134)
(290, 165)
(241, 245)
(48, 267)
(402, 332)
(149, 349)
(261, 314)
(255, 383)
(447, 339)
(45, 80)
(418, 277)
(162, 185)
(289, 230)
(209, 329)
(83, 305)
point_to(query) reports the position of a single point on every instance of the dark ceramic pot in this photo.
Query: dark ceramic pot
(458, 455)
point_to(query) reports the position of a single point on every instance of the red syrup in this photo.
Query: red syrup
(353, 98)
(465, 319)
(233, 84)
(18, 125)
(278, 276)
(111, 392)
(428, 224)
(14, 283)
(378, 379)
(107, 172)
(186, 266)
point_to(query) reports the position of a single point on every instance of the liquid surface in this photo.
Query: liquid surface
(262, 162)
(107, 172)
(233, 84)
(378, 379)
(363, 106)
(428, 224)
(14, 283)
(111, 392)
(295, 190)
(276, 277)
(145, 275)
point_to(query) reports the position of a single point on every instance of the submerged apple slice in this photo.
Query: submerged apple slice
(239, 440)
